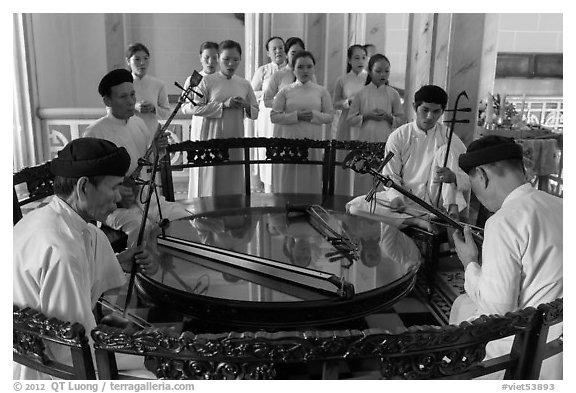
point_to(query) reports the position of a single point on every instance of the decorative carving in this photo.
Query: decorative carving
(30, 327)
(201, 153)
(39, 180)
(552, 312)
(415, 353)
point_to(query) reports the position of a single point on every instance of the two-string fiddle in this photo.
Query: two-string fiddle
(195, 79)
(452, 122)
(356, 160)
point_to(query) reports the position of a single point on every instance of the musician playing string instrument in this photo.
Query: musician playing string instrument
(523, 246)
(121, 127)
(419, 151)
(62, 264)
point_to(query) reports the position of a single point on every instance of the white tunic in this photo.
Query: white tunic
(347, 86)
(260, 82)
(367, 100)
(219, 122)
(152, 90)
(277, 82)
(284, 115)
(416, 154)
(132, 135)
(521, 263)
(61, 266)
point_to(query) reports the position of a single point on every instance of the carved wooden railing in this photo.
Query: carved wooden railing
(31, 329)
(217, 152)
(33, 184)
(419, 352)
(240, 151)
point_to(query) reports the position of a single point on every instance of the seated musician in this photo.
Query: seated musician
(522, 249)
(61, 262)
(121, 127)
(419, 151)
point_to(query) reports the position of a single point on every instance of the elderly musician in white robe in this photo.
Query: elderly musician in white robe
(419, 151)
(522, 249)
(62, 263)
(122, 128)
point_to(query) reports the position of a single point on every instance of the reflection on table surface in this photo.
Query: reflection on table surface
(386, 255)
(211, 296)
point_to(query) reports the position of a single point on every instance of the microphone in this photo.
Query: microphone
(374, 188)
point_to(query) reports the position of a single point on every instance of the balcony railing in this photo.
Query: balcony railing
(543, 111)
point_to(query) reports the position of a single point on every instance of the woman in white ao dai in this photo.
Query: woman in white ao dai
(299, 111)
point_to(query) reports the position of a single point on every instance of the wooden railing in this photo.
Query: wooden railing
(544, 111)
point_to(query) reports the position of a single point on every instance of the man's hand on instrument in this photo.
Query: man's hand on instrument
(397, 204)
(147, 264)
(465, 246)
(117, 321)
(161, 141)
(444, 175)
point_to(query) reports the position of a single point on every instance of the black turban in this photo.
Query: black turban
(432, 94)
(114, 78)
(488, 149)
(90, 157)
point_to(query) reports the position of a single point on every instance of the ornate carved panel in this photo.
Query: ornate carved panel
(416, 353)
(30, 327)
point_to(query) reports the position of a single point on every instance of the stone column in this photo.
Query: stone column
(456, 52)
(419, 57)
(315, 40)
(115, 41)
(334, 56)
(471, 65)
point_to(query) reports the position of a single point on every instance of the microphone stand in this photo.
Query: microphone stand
(194, 81)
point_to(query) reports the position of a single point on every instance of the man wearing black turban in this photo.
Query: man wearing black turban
(62, 264)
(522, 249)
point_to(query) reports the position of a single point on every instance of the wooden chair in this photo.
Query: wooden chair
(549, 315)
(217, 152)
(419, 352)
(31, 329)
(36, 183)
(339, 150)
(39, 182)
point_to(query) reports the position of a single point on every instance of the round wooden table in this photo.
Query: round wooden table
(254, 262)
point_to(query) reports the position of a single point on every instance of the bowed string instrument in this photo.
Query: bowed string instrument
(360, 161)
(452, 122)
(195, 79)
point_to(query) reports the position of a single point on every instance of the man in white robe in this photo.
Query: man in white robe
(419, 151)
(522, 249)
(61, 263)
(122, 128)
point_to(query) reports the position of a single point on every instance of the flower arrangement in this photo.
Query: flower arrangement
(491, 112)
